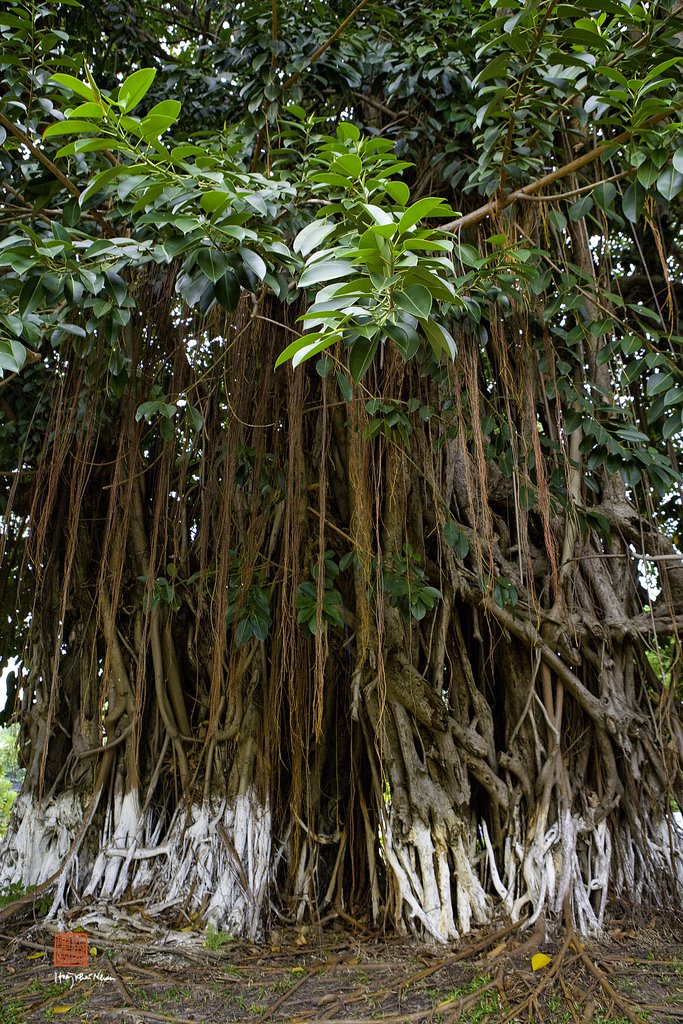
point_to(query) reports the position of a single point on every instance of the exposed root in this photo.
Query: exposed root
(220, 853)
(40, 838)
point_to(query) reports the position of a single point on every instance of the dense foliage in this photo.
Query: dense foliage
(342, 419)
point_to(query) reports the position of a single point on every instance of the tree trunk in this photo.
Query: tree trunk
(506, 748)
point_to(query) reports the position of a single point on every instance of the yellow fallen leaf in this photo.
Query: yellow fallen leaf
(61, 1009)
(35, 956)
(539, 960)
(93, 951)
(298, 970)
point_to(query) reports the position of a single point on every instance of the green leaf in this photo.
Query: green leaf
(632, 202)
(361, 355)
(212, 263)
(677, 159)
(212, 201)
(147, 410)
(314, 343)
(456, 538)
(398, 191)
(227, 291)
(134, 88)
(195, 418)
(167, 108)
(345, 130)
(69, 128)
(349, 164)
(405, 338)
(661, 68)
(254, 262)
(439, 338)
(12, 355)
(416, 300)
(557, 219)
(672, 425)
(632, 434)
(580, 208)
(309, 343)
(604, 195)
(325, 270)
(90, 110)
(660, 382)
(243, 632)
(101, 179)
(495, 68)
(74, 84)
(153, 126)
(88, 145)
(647, 173)
(30, 296)
(670, 183)
(311, 237)
(345, 386)
(429, 207)
(381, 216)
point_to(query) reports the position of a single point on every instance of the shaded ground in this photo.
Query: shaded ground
(344, 977)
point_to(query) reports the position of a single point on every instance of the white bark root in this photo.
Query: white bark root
(219, 862)
(216, 859)
(39, 838)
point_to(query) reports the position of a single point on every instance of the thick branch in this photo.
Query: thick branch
(51, 167)
(500, 203)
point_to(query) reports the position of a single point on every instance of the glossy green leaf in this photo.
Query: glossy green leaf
(416, 300)
(134, 88)
(349, 164)
(227, 291)
(670, 183)
(429, 207)
(166, 108)
(89, 110)
(495, 68)
(632, 201)
(312, 236)
(215, 201)
(398, 191)
(212, 263)
(69, 128)
(254, 262)
(440, 339)
(74, 84)
(154, 125)
(30, 296)
(12, 355)
(361, 356)
(325, 270)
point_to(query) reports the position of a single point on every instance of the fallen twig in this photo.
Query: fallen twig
(605, 983)
(465, 954)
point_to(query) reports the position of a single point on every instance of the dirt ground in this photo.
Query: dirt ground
(139, 972)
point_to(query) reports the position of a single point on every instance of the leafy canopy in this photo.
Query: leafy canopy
(291, 176)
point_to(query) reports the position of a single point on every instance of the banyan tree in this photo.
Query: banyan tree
(341, 438)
